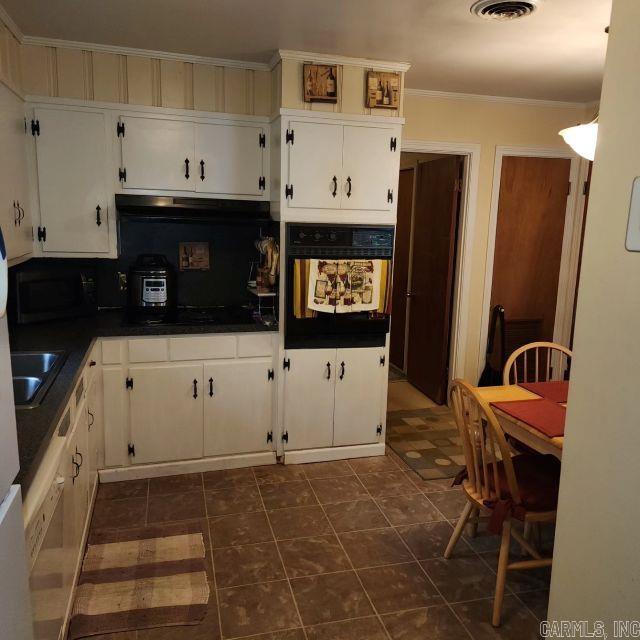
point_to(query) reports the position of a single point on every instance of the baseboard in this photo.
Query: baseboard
(157, 470)
(334, 453)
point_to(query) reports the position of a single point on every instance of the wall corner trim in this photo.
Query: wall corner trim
(10, 24)
(327, 58)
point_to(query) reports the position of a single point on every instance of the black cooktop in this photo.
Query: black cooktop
(185, 316)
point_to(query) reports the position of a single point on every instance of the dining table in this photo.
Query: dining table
(518, 428)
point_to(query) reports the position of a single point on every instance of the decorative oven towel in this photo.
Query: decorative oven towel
(140, 583)
(544, 415)
(344, 286)
(554, 390)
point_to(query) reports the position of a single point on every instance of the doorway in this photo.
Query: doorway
(427, 238)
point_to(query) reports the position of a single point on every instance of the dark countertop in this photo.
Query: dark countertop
(36, 426)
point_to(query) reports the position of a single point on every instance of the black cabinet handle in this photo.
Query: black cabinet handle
(186, 168)
(328, 371)
(16, 214)
(81, 458)
(93, 419)
(201, 169)
(334, 193)
(195, 389)
(211, 387)
(98, 218)
(349, 187)
(20, 213)
(342, 370)
(76, 472)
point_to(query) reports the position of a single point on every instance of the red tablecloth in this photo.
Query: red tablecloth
(556, 390)
(544, 415)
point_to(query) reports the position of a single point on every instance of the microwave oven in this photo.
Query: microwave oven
(51, 291)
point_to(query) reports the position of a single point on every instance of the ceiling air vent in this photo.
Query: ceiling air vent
(504, 9)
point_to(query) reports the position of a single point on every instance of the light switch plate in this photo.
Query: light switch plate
(633, 228)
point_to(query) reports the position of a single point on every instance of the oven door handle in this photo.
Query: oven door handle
(328, 371)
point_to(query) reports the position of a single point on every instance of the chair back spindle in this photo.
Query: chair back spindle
(537, 362)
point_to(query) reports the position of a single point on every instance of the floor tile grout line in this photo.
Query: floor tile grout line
(444, 600)
(213, 566)
(364, 590)
(284, 568)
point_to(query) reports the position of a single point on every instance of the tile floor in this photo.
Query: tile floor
(347, 550)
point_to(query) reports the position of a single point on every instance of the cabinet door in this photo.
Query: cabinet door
(229, 159)
(158, 154)
(15, 218)
(358, 399)
(72, 172)
(81, 482)
(371, 166)
(308, 398)
(95, 427)
(237, 407)
(166, 410)
(315, 159)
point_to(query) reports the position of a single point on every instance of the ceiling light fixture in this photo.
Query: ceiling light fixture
(582, 138)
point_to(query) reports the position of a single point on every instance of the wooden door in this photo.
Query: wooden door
(72, 156)
(315, 159)
(371, 165)
(359, 386)
(309, 386)
(166, 409)
(528, 248)
(155, 152)
(237, 407)
(436, 210)
(232, 157)
(401, 268)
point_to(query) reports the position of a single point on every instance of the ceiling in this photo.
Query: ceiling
(555, 54)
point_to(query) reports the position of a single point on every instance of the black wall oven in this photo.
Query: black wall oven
(338, 285)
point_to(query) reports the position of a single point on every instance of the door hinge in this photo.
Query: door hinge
(383, 359)
(269, 436)
(457, 187)
(288, 191)
(585, 188)
(262, 183)
(389, 195)
(120, 129)
(285, 436)
(131, 449)
(35, 127)
(122, 175)
(286, 364)
(379, 429)
(128, 383)
(569, 189)
(262, 140)
(270, 374)
(288, 138)
(42, 234)
(393, 145)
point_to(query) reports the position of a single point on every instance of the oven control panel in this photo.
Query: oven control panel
(340, 237)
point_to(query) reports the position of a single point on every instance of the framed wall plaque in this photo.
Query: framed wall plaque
(383, 90)
(320, 83)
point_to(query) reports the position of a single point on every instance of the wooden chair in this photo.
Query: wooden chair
(523, 487)
(537, 362)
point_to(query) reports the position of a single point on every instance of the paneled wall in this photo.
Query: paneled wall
(10, 70)
(351, 91)
(140, 80)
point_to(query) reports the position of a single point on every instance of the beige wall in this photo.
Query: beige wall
(489, 124)
(596, 571)
(10, 71)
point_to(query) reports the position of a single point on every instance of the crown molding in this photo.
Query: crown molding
(10, 24)
(476, 97)
(146, 53)
(326, 58)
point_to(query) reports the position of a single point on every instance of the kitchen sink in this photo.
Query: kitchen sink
(33, 373)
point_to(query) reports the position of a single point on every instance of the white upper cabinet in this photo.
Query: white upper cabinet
(237, 407)
(360, 378)
(229, 159)
(315, 165)
(351, 167)
(71, 153)
(370, 169)
(158, 154)
(15, 216)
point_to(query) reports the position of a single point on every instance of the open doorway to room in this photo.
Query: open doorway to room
(420, 426)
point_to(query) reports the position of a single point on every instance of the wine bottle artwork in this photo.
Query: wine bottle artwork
(383, 90)
(320, 83)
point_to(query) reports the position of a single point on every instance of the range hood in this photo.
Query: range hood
(172, 209)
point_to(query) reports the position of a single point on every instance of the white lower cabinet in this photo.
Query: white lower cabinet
(238, 401)
(333, 397)
(166, 412)
(95, 428)
(360, 379)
